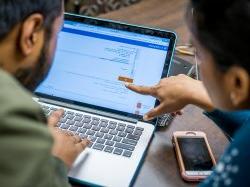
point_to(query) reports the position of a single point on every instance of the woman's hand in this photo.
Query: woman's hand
(174, 93)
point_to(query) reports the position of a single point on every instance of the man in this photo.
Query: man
(32, 153)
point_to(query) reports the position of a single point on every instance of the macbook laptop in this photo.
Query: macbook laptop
(94, 59)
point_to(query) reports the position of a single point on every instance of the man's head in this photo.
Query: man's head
(220, 31)
(28, 36)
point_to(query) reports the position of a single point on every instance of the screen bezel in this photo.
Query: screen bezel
(124, 27)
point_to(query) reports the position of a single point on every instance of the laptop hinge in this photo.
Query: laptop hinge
(88, 110)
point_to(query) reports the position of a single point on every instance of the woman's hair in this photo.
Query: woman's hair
(13, 12)
(223, 28)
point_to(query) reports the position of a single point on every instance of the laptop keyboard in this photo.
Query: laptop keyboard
(105, 135)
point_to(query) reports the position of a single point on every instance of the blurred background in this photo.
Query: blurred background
(96, 7)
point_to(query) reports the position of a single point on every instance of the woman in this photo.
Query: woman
(221, 33)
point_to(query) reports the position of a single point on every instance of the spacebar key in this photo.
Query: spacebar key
(124, 146)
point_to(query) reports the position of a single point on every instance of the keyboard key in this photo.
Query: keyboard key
(44, 107)
(127, 154)
(92, 138)
(96, 128)
(53, 109)
(108, 137)
(130, 142)
(122, 134)
(104, 130)
(113, 132)
(64, 114)
(111, 126)
(133, 137)
(90, 144)
(87, 116)
(86, 120)
(108, 149)
(73, 128)
(79, 115)
(98, 146)
(139, 128)
(122, 124)
(103, 124)
(87, 126)
(113, 123)
(46, 112)
(100, 140)
(78, 124)
(104, 121)
(90, 132)
(131, 126)
(70, 122)
(82, 130)
(63, 120)
(83, 136)
(77, 118)
(138, 133)
(99, 134)
(117, 139)
(110, 143)
(120, 128)
(125, 146)
(129, 130)
(70, 113)
(69, 116)
(64, 126)
(95, 119)
(118, 151)
(95, 122)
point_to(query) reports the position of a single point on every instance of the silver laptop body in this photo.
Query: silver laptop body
(120, 137)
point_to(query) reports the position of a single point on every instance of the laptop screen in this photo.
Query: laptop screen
(92, 63)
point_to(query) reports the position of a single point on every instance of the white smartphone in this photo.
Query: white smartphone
(194, 155)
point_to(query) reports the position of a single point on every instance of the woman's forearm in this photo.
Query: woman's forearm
(198, 96)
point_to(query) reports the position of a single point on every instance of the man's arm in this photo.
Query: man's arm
(27, 145)
(26, 158)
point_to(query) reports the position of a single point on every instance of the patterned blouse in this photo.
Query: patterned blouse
(234, 165)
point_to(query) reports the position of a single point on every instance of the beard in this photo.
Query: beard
(32, 77)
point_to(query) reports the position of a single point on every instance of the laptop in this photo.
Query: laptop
(94, 59)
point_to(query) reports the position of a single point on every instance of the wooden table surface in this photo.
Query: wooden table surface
(160, 168)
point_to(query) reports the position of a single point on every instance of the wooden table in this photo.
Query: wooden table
(160, 168)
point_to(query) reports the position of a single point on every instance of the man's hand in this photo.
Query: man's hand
(66, 146)
(174, 93)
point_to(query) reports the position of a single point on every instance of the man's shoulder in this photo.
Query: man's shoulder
(10, 86)
(14, 96)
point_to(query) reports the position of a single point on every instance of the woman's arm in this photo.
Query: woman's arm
(175, 93)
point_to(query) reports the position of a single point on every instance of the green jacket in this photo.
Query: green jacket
(25, 142)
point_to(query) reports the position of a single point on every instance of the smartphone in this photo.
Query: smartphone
(194, 155)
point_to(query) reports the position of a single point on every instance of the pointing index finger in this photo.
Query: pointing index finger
(144, 90)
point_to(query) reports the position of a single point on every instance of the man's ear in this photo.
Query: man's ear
(30, 33)
(238, 85)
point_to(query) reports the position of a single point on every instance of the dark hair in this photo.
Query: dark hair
(223, 28)
(13, 12)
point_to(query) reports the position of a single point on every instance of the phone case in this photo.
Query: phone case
(184, 175)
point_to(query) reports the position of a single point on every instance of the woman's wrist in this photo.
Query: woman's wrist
(198, 96)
